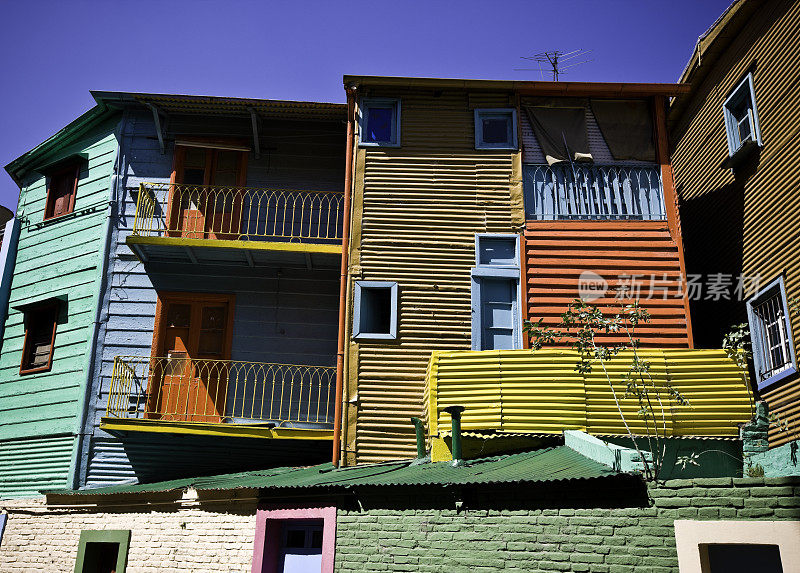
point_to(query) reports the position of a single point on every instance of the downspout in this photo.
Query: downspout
(348, 182)
(81, 434)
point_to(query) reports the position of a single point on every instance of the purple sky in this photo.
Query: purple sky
(53, 53)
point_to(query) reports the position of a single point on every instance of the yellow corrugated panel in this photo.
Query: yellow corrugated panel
(541, 392)
(747, 222)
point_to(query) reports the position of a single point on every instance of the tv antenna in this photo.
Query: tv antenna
(555, 62)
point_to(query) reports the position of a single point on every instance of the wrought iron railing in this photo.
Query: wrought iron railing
(221, 391)
(593, 192)
(238, 213)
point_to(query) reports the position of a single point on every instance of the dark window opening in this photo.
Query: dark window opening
(376, 310)
(379, 124)
(100, 557)
(495, 130)
(740, 558)
(40, 336)
(61, 192)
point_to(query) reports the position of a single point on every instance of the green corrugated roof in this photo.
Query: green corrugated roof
(549, 464)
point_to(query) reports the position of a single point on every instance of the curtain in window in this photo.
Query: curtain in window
(627, 127)
(560, 127)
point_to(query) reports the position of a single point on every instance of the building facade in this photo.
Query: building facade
(733, 135)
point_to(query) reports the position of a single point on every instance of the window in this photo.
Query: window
(379, 123)
(61, 191)
(3, 519)
(375, 310)
(496, 320)
(40, 338)
(771, 334)
(741, 117)
(103, 551)
(737, 546)
(294, 539)
(496, 128)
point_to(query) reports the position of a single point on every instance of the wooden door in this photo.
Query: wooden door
(498, 300)
(206, 197)
(190, 373)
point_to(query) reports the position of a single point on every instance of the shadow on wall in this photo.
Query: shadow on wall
(713, 229)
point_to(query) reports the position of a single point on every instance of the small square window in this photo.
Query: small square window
(61, 191)
(379, 123)
(771, 335)
(741, 116)
(496, 128)
(40, 338)
(375, 310)
(103, 551)
(497, 251)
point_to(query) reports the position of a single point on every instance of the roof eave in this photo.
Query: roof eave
(578, 89)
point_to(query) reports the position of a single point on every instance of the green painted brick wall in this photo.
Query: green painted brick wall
(607, 540)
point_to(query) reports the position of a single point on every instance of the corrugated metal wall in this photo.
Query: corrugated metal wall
(422, 205)
(59, 257)
(626, 254)
(284, 315)
(541, 392)
(32, 464)
(749, 222)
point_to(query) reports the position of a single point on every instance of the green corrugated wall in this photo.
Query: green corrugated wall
(39, 412)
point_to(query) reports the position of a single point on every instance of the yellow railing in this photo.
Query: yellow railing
(221, 391)
(238, 213)
(541, 392)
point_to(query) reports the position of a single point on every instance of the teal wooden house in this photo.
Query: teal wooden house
(174, 305)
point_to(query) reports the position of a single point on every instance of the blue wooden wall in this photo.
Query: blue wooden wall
(282, 314)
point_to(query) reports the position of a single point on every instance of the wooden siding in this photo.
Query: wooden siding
(558, 252)
(746, 222)
(416, 212)
(541, 392)
(283, 313)
(59, 257)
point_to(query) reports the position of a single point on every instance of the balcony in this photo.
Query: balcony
(598, 192)
(236, 225)
(526, 392)
(220, 398)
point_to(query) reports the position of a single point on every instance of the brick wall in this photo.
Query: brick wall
(554, 538)
(163, 538)
(521, 527)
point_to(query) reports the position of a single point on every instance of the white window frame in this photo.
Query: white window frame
(757, 337)
(691, 536)
(513, 145)
(358, 332)
(731, 124)
(480, 272)
(363, 108)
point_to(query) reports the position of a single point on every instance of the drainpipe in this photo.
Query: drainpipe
(80, 449)
(455, 415)
(419, 426)
(348, 181)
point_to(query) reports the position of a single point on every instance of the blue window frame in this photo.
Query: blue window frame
(375, 310)
(771, 335)
(741, 116)
(379, 123)
(496, 128)
(496, 295)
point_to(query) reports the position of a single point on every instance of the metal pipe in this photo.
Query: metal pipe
(455, 419)
(348, 181)
(419, 426)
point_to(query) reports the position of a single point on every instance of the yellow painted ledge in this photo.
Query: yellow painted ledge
(204, 429)
(335, 249)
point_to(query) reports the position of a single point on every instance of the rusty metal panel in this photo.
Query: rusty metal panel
(558, 252)
(420, 208)
(541, 392)
(745, 222)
